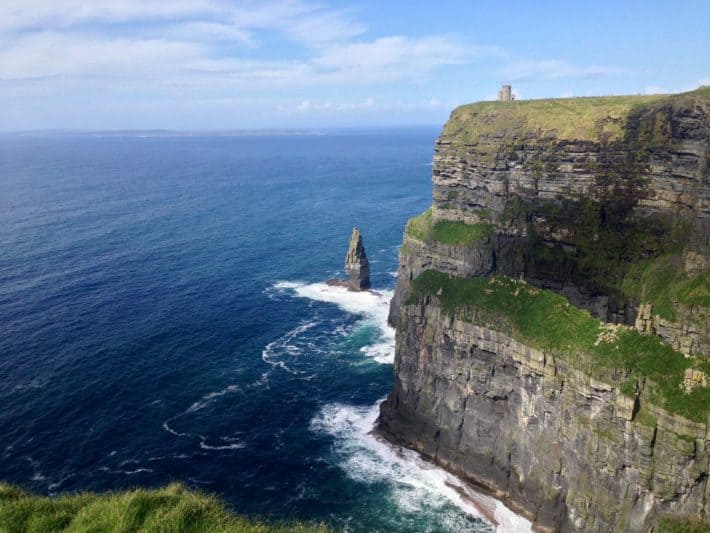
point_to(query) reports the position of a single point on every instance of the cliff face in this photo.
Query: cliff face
(595, 416)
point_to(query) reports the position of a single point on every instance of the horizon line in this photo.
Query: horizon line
(214, 132)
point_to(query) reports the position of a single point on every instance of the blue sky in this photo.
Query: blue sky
(228, 64)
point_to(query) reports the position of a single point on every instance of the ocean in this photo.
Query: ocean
(163, 316)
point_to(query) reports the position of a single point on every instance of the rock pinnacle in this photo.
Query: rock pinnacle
(356, 264)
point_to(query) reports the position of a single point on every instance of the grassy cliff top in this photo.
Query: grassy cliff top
(583, 119)
(423, 228)
(173, 508)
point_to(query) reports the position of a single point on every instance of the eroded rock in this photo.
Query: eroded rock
(357, 266)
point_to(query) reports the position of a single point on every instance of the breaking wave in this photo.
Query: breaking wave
(417, 486)
(372, 306)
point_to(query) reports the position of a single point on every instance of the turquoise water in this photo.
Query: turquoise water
(163, 318)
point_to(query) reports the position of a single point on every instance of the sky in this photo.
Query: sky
(232, 64)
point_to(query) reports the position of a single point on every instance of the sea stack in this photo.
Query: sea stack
(356, 264)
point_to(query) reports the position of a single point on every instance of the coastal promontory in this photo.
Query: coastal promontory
(551, 308)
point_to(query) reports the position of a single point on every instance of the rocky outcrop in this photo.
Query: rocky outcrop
(688, 334)
(606, 202)
(357, 266)
(417, 256)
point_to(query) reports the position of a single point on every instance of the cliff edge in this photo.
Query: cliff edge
(552, 309)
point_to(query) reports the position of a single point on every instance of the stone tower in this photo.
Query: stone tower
(505, 94)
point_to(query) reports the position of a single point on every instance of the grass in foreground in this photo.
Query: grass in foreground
(548, 321)
(455, 233)
(173, 508)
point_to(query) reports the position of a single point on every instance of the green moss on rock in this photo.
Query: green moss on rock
(546, 320)
(419, 226)
(646, 418)
(622, 255)
(669, 524)
(663, 282)
(455, 233)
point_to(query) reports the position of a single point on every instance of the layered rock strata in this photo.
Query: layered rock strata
(605, 201)
(566, 449)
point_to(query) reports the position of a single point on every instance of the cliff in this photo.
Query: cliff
(552, 309)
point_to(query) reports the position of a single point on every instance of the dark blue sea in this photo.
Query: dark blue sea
(163, 317)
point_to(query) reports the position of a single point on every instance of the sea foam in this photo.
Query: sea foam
(416, 484)
(235, 445)
(373, 306)
(273, 353)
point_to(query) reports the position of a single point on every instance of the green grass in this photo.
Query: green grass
(619, 253)
(662, 282)
(170, 509)
(419, 227)
(628, 387)
(516, 211)
(459, 233)
(455, 233)
(547, 321)
(646, 418)
(589, 119)
(693, 524)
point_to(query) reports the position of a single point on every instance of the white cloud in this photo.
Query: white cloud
(183, 43)
(301, 21)
(118, 54)
(191, 62)
(206, 32)
(47, 55)
(657, 89)
(389, 59)
(307, 106)
(56, 14)
(319, 26)
(370, 104)
(553, 69)
(426, 52)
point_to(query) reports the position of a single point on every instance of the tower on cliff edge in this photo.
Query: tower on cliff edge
(505, 94)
